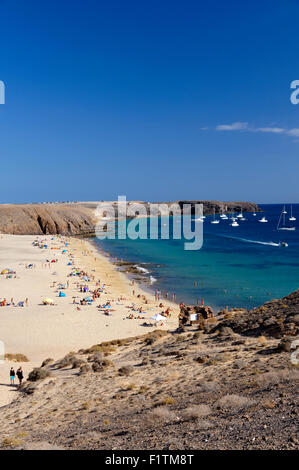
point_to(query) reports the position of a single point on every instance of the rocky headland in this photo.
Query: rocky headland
(80, 217)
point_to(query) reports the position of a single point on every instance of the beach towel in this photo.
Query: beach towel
(158, 317)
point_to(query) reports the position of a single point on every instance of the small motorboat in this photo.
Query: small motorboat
(263, 220)
(284, 244)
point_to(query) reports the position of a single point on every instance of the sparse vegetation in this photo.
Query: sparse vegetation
(16, 357)
(196, 412)
(167, 401)
(11, 442)
(233, 402)
(126, 370)
(162, 413)
(84, 369)
(38, 373)
(47, 362)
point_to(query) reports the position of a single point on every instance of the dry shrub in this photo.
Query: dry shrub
(106, 349)
(66, 361)
(196, 412)
(84, 369)
(77, 363)
(208, 386)
(11, 442)
(150, 340)
(47, 362)
(162, 413)
(204, 424)
(99, 366)
(95, 357)
(165, 401)
(38, 373)
(126, 370)
(16, 357)
(234, 402)
(280, 376)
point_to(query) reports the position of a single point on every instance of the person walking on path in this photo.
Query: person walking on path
(12, 375)
(20, 375)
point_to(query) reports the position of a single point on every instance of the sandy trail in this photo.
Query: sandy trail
(40, 331)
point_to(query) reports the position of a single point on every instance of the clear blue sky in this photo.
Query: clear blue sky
(126, 97)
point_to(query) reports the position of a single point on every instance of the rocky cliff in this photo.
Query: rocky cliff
(37, 219)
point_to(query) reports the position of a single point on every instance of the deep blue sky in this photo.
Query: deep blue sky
(124, 97)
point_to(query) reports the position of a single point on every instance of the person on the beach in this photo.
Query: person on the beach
(12, 375)
(26, 302)
(20, 375)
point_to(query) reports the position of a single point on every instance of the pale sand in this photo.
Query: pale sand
(40, 331)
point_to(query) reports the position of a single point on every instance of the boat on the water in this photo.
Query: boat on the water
(284, 244)
(292, 218)
(263, 220)
(282, 221)
(215, 221)
(234, 224)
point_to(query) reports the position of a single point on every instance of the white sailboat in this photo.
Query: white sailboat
(263, 220)
(292, 219)
(282, 221)
(234, 224)
(215, 221)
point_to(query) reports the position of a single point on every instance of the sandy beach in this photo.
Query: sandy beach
(41, 331)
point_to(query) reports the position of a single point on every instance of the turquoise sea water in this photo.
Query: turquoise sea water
(237, 266)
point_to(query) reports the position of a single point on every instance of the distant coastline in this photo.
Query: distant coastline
(79, 218)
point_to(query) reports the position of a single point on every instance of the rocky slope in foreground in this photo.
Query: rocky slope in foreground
(193, 390)
(276, 318)
(78, 218)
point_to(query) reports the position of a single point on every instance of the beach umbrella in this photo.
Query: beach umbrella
(62, 294)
